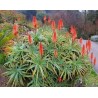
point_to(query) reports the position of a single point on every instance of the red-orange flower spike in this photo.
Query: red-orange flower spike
(29, 39)
(49, 20)
(83, 51)
(34, 22)
(91, 56)
(55, 53)
(95, 61)
(73, 32)
(15, 29)
(74, 36)
(89, 45)
(54, 37)
(44, 18)
(41, 51)
(53, 25)
(60, 24)
(71, 29)
(80, 40)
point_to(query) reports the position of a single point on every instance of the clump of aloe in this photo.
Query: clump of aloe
(47, 57)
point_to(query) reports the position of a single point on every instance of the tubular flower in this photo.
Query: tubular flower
(49, 20)
(89, 45)
(60, 24)
(95, 61)
(55, 53)
(73, 32)
(83, 51)
(53, 25)
(15, 29)
(54, 37)
(34, 21)
(72, 29)
(91, 56)
(45, 18)
(41, 51)
(30, 39)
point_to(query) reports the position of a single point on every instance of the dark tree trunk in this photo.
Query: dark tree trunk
(85, 22)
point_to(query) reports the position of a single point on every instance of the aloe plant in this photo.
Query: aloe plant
(2, 58)
(46, 70)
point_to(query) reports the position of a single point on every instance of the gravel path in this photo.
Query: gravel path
(95, 52)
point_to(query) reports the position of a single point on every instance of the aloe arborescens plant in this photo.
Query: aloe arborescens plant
(47, 62)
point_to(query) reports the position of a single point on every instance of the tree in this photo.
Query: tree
(29, 13)
(92, 16)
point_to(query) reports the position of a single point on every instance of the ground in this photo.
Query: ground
(3, 79)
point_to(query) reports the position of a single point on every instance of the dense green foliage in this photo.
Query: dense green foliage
(25, 66)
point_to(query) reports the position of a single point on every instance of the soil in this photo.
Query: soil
(3, 79)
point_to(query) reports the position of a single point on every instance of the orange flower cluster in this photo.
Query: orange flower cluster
(49, 20)
(83, 51)
(15, 29)
(60, 24)
(73, 32)
(54, 37)
(34, 21)
(94, 62)
(87, 47)
(92, 58)
(30, 39)
(53, 25)
(45, 18)
(41, 50)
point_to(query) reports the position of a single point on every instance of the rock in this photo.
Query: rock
(94, 38)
